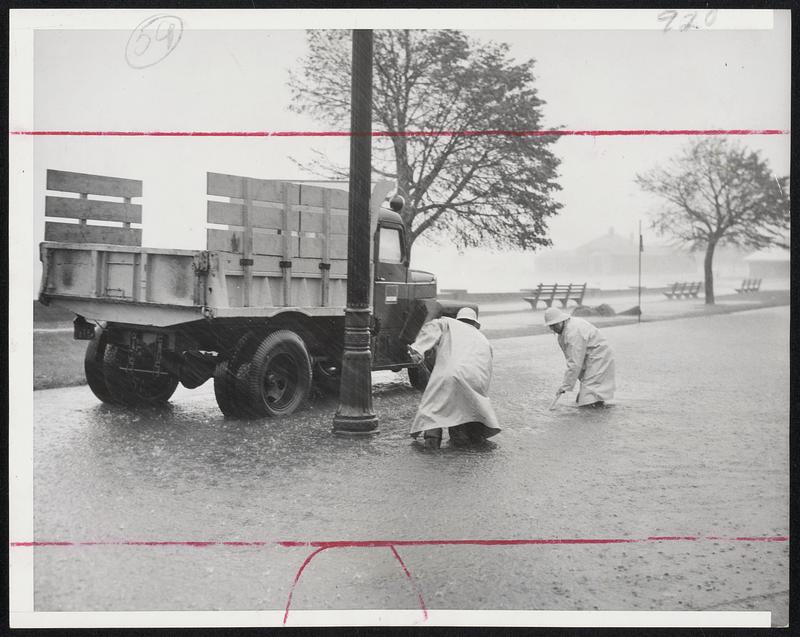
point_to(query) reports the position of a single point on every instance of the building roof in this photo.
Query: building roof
(612, 243)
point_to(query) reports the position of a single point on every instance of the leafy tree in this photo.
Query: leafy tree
(478, 189)
(716, 192)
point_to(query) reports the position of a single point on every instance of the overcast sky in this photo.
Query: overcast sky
(235, 80)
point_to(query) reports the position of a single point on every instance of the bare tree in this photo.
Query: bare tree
(718, 192)
(484, 189)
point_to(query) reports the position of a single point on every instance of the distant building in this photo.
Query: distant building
(771, 263)
(614, 256)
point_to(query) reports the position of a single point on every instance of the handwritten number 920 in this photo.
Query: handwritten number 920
(685, 20)
(152, 40)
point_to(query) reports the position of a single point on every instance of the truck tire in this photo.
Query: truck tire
(230, 401)
(93, 367)
(134, 389)
(277, 378)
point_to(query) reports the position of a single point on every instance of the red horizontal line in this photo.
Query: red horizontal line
(451, 133)
(387, 543)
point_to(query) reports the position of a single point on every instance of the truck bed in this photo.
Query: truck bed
(160, 287)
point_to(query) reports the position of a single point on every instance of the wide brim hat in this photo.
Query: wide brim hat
(468, 315)
(553, 315)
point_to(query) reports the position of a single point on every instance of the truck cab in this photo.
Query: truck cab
(403, 298)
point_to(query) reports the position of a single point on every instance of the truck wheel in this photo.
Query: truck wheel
(327, 377)
(93, 367)
(134, 389)
(230, 402)
(278, 378)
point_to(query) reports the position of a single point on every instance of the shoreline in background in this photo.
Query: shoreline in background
(726, 286)
(58, 359)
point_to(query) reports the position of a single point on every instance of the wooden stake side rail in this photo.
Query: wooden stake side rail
(285, 244)
(272, 246)
(84, 209)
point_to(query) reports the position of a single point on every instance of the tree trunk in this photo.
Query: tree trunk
(708, 271)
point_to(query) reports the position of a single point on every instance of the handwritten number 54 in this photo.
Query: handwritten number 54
(152, 40)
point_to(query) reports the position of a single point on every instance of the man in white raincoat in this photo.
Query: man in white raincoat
(457, 394)
(589, 358)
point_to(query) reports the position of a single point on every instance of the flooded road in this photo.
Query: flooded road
(695, 447)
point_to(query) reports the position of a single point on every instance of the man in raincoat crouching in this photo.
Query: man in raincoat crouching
(457, 394)
(589, 358)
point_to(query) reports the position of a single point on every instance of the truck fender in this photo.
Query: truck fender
(424, 310)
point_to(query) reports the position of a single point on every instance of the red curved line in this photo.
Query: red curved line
(297, 578)
(413, 583)
(449, 133)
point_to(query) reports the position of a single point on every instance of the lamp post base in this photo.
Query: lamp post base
(355, 415)
(354, 428)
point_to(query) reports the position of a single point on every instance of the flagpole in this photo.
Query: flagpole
(641, 248)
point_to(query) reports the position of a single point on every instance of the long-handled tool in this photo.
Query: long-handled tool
(555, 400)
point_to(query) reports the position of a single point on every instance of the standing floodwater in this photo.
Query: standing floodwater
(695, 445)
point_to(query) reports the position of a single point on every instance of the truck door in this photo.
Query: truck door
(390, 298)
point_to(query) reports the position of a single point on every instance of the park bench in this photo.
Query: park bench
(693, 289)
(555, 292)
(683, 289)
(675, 290)
(749, 285)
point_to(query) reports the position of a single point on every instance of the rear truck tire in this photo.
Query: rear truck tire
(419, 375)
(93, 366)
(327, 377)
(229, 400)
(278, 377)
(135, 389)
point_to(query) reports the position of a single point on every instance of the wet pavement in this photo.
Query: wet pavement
(695, 446)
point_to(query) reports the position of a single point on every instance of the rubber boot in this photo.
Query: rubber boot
(433, 438)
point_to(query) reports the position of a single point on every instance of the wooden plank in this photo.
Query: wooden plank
(144, 280)
(263, 243)
(224, 240)
(232, 214)
(325, 286)
(274, 244)
(306, 268)
(247, 251)
(312, 247)
(101, 273)
(261, 263)
(270, 265)
(111, 248)
(312, 196)
(72, 208)
(338, 245)
(287, 242)
(327, 223)
(93, 184)
(222, 185)
(74, 233)
(312, 220)
(127, 224)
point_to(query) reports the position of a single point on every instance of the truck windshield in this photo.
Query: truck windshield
(390, 249)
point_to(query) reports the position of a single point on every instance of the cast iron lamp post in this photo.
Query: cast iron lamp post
(355, 415)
